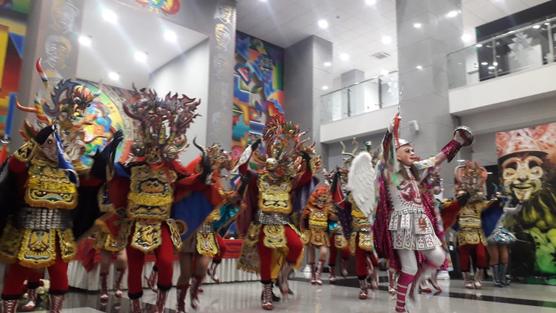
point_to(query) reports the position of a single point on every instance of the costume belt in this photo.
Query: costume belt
(44, 219)
(272, 218)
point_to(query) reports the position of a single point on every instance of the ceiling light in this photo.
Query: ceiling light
(114, 76)
(484, 63)
(386, 40)
(140, 56)
(417, 25)
(537, 26)
(479, 45)
(419, 67)
(324, 87)
(547, 24)
(491, 67)
(495, 63)
(384, 72)
(453, 13)
(370, 2)
(85, 40)
(466, 38)
(323, 23)
(327, 64)
(262, 0)
(110, 16)
(344, 56)
(170, 36)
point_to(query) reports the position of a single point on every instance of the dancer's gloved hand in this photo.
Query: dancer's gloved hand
(206, 166)
(255, 144)
(102, 159)
(462, 198)
(44, 133)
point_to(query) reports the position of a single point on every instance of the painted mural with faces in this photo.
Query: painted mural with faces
(527, 161)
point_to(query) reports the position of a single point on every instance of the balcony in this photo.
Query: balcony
(505, 70)
(357, 110)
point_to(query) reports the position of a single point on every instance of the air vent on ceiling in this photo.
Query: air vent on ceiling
(381, 55)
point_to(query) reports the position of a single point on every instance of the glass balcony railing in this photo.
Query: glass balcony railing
(520, 49)
(363, 97)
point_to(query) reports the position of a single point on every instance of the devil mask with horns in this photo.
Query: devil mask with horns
(161, 124)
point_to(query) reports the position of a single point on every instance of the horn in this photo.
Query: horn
(25, 109)
(199, 147)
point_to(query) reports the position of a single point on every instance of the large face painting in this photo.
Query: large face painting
(258, 88)
(527, 162)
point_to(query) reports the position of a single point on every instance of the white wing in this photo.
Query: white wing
(243, 158)
(361, 182)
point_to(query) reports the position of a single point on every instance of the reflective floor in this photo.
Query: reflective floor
(342, 298)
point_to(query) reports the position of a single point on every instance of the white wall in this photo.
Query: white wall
(188, 74)
(520, 87)
(360, 125)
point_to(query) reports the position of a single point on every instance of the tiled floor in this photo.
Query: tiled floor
(244, 297)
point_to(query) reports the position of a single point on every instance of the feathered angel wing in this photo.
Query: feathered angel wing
(361, 182)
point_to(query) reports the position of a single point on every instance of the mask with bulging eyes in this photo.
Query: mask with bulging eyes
(522, 175)
(49, 149)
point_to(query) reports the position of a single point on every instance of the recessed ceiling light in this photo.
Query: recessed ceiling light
(453, 13)
(114, 76)
(537, 26)
(419, 67)
(491, 67)
(466, 38)
(85, 40)
(495, 63)
(110, 16)
(484, 63)
(384, 72)
(324, 87)
(370, 2)
(170, 36)
(417, 25)
(140, 56)
(547, 24)
(479, 45)
(344, 56)
(386, 40)
(323, 23)
(327, 64)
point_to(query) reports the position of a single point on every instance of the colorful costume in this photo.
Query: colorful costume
(470, 178)
(405, 222)
(53, 194)
(317, 217)
(264, 221)
(148, 184)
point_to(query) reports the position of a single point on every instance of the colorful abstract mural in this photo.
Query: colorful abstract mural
(12, 37)
(18, 6)
(258, 88)
(168, 7)
(104, 115)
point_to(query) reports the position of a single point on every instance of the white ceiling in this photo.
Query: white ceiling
(355, 28)
(113, 45)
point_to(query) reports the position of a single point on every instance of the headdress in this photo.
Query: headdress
(471, 177)
(161, 123)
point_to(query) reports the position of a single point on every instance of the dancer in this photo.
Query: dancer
(404, 217)
(499, 239)
(264, 220)
(147, 184)
(51, 200)
(110, 247)
(315, 221)
(471, 179)
(201, 245)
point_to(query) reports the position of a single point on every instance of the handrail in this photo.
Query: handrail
(358, 83)
(520, 28)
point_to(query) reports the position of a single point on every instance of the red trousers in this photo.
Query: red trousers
(466, 252)
(16, 275)
(221, 249)
(164, 262)
(362, 259)
(295, 247)
(344, 253)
